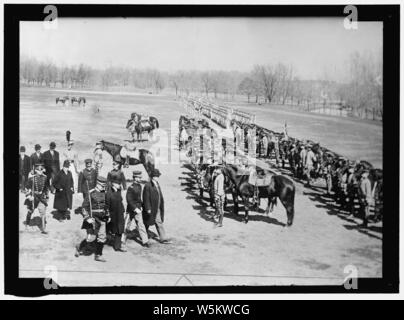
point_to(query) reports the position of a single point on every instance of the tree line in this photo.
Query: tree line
(270, 83)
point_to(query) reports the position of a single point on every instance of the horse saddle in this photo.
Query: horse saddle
(259, 179)
(129, 153)
(144, 124)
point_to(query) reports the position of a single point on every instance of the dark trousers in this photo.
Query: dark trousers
(117, 241)
(23, 181)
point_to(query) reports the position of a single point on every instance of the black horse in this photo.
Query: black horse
(279, 187)
(145, 156)
(79, 100)
(62, 99)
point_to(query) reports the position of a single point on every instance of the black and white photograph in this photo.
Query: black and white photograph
(194, 150)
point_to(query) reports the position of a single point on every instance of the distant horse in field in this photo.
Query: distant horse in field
(62, 99)
(145, 156)
(79, 100)
(138, 125)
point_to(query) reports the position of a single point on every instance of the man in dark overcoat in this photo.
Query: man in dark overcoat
(52, 164)
(25, 168)
(153, 205)
(134, 209)
(63, 184)
(37, 156)
(114, 205)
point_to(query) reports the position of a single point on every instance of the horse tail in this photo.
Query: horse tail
(157, 123)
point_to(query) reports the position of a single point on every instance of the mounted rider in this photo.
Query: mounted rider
(128, 151)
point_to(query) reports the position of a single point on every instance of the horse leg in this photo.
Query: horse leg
(245, 200)
(235, 202)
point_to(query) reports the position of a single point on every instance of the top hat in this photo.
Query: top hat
(37, 147)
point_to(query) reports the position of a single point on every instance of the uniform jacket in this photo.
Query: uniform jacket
(63, 184)
(84, 176)
(153, 200)
(134, 197)
(218, 185)
(366, 189)
(114, 205)
(52, 163)
(97, 203)
(37, 184)
(116, 175)
(310, 158)
(25, 165)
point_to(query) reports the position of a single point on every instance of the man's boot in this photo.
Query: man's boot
(98, 252)
(43, 227)
(28, 218)
(80, 248)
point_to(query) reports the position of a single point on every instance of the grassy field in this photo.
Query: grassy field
(315, 250)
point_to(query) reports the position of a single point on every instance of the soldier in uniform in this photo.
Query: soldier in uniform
(98, 156)
(37, 196)
(309, 165)
(134, 209)
(365, 191)
(116, 175)
(37, 156)
(87, 179)
(352, 188)
(218, 188)
(96, 215)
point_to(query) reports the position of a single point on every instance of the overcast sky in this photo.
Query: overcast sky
(313, 45)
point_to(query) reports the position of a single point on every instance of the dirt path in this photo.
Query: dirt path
(315, 250)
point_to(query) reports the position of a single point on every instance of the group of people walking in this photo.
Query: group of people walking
(103, 210)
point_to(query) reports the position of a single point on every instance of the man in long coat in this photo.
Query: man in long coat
(114, 205)
(25, 168)
(52, 163)
(63, 184)
(153, 205)
(134, 209)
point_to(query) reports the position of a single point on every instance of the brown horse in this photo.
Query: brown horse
(279, 187)
(145, 156)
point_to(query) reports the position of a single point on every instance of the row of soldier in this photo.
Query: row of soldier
(307, 161)
(102, 203)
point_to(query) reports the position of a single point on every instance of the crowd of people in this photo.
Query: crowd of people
(105, 218)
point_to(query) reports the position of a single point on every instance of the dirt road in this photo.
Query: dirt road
(315, 250)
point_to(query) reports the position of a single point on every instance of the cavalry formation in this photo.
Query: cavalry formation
(351, 184)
